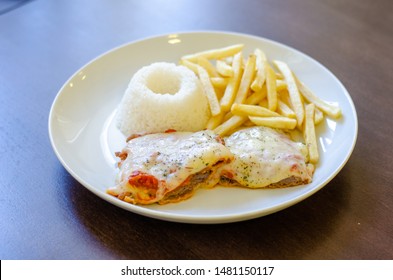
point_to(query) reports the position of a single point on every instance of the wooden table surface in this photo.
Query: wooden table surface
(46, 214)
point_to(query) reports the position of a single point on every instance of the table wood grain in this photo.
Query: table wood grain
(46, 214)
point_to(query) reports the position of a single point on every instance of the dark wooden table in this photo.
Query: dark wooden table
(46, 214)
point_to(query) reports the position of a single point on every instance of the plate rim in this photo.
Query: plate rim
(198, 219)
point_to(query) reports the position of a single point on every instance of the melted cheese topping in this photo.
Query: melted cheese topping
(171, 158)
(264, 156)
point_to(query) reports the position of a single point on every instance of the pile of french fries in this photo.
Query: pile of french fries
(247, 90)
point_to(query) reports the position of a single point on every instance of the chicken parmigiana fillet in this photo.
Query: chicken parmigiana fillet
(169, 167)
(265, 158)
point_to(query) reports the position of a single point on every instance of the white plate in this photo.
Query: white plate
(84, 137)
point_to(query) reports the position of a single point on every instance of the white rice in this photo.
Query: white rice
(163, 96)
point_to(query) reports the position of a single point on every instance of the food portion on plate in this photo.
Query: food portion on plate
(265, 158)
(169, 167)
(228, 119)
(163, 96)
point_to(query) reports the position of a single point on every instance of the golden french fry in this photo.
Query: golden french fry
(274, 122)
(284, 110)
(219, 92)
(215, 53)
(329, 109)
(255, 98)
(271, 88)
(309, 133)
(283, 95)
(284, 105)
(205, 63)
(248, 123)
(279, 76)
(252, 110)
(246, 80)
(280, 85)
(209, 91)
(263, 94)
(235, 121)
(264, 103)
(227, 116)
(294, 94)
(233, 83)
(215, 121)
(318, 117)
(229, 125)
(219, 82)
(224, 69)
(260, 75)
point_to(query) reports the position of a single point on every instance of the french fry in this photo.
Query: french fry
(255, 98)
(227, 116)
(215, 53)
(279, 76)
(210, 69)
(219, 82)
(283, 95)
(329, 109)
(284, 110)
(219, 92)
(271, 87)
(318, 117)
(235, 121)
(215, 121)
(229, 125)
(263, 94)
(252, 110)
(233, 83)
(264, 103)
(248, 123)
(274, 122)
(294, 94)
(209, 91)
(224, 69)
(309, 133)
(260, 75)
(246, 80)
(280, 85)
